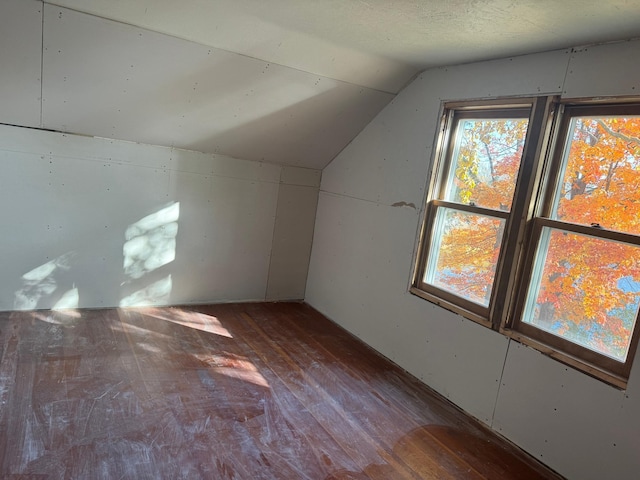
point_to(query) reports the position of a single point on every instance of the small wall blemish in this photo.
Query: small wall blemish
(404, 204)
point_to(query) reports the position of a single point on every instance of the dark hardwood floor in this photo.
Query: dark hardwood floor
(244, 391)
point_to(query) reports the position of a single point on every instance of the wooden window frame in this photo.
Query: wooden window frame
(540, 168)
(490, 316)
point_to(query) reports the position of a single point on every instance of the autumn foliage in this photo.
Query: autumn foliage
(589, 287)
(483, 173)
(586, 288)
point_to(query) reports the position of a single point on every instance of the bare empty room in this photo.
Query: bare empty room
(325, 240)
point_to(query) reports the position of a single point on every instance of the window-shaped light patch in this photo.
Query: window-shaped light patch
(42, 282)
(464, 254)
(157, 293)
(586, 290)
(151, 242)
(69, 300)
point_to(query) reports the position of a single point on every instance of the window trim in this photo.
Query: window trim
(537, 180)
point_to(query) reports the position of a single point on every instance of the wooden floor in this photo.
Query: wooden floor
(247, 391)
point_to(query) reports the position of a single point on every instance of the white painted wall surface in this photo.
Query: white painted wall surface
(272, 31)
(295, 219)
(113, 80)
(20, 61)
(90, 222)
(364, 248)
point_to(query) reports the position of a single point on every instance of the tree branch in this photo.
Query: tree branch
(488, 152)
(619, 135)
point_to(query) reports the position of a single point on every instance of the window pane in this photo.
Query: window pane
(601, 174)
(464, 253)
(585, 290)
(485, 162)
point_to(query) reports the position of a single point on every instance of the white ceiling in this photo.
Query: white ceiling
(282, 81)
(379, 44)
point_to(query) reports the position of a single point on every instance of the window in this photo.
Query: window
(532, 226)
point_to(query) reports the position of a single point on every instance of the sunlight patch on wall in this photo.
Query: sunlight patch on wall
(69, 300)
(151, 242)
(41, 282)
(157, 293)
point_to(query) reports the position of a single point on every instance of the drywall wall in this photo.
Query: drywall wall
(91, 222)
(367, 223)
(20, 26)
(297, 34)
(295, 218)
(77, 73)
(95, 222)
(369, 214)
(113, 80)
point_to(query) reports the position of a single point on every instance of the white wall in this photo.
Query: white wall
(20, 75)
(90, 222)
(69, 71)
(113, 80)
(364, 244)
(75, 208)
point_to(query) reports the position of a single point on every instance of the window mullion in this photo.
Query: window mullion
(510, 263)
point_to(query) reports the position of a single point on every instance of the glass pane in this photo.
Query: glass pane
(485, 162)
(464, 252)
(585, 290)
(601, 174)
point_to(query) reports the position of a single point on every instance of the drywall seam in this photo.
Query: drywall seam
(41, 61)
(504, 366)
(308, 266)
(566, 72)
(273, 237)
(397, 204)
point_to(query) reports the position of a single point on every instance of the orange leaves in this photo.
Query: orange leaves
(583, 287)
(467, 254)
(601, 175)
(581, 294)
(600, 183)
(482, 171)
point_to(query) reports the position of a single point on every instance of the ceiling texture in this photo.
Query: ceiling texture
(283, 81)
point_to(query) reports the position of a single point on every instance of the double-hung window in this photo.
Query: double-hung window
(532, 226)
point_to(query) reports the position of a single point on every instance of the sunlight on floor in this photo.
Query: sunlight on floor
(234, 366)
(186, 318)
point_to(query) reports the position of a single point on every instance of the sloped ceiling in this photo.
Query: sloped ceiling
(282, 81)
(378, 44)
